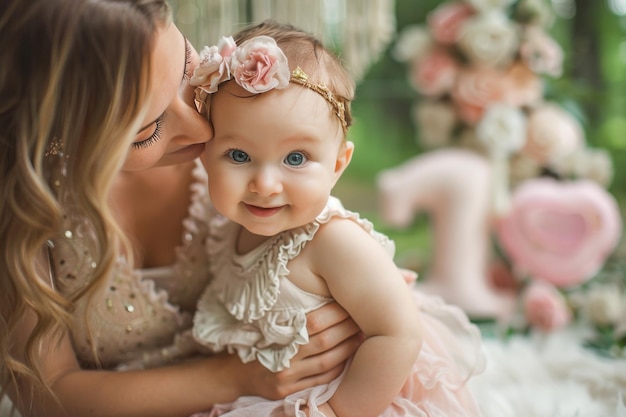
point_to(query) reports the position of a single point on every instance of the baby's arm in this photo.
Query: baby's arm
(362, 277)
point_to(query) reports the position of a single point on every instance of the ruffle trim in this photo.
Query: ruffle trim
(215, 328)
(244, 293)
(257, 286)
(256, 292)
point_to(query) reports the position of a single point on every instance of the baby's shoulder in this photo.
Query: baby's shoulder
(337, 233)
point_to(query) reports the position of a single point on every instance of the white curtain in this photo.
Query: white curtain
(358, 29)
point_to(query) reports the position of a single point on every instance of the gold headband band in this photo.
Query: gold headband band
(298, 76)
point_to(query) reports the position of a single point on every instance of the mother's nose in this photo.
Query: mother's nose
(191, 127)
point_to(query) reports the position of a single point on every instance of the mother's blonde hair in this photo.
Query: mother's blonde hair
(73, 85)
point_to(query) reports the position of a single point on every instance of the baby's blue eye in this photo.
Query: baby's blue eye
(295, 159)
(238, 155)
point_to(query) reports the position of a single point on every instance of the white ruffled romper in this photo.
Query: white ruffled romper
(252, 309)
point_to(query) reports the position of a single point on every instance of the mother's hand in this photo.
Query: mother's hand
(333, 339)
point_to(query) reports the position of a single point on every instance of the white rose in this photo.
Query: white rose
(413, 42)
(596, 166)
(489, 39)
(604, 304)
(502, 129)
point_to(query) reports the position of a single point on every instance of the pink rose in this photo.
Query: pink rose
(435, 73)
(214, 66)
(475, 90)
(259, 65)
(545, 307)
(446, 20)
(560, 232)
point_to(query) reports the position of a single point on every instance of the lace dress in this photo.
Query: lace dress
(251, 309)
(136, 319)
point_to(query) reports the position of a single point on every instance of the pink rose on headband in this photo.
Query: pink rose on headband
(259, 65)
(214, 66)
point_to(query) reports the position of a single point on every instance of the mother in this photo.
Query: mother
(102, 221)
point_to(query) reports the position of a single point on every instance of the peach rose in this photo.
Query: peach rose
(434, 74)
(552, 133)
(475, 90)
(560, 232)
(444, 22)
(545, 307)
(523, 87)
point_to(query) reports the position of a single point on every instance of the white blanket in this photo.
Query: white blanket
(549, 376)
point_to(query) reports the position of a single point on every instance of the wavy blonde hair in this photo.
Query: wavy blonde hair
(75, 78)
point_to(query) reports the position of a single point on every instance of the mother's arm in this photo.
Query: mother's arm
(181, 389)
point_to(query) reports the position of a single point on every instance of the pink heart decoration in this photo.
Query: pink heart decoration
(560, 232)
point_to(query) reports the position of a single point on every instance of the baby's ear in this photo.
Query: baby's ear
(343, 158)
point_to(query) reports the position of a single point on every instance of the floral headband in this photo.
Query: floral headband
(257, 65)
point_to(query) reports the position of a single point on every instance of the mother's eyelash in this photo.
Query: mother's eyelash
(154, 138)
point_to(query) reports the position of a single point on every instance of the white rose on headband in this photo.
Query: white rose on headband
(259, 65)
(214, 66)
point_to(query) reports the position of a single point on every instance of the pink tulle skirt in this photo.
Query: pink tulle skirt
(437, 386)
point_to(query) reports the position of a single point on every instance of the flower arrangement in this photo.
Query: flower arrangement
(479, 68)
(257, 65)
